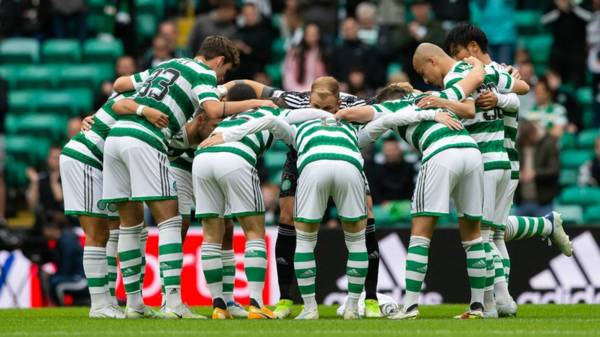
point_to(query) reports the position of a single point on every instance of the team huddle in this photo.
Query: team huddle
(174, 139)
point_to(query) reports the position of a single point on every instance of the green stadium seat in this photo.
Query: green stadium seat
(154, 8)
(582, 196)
(538, 47)
(568, 177)
(587, 138)
(568, 141)
(97, 50)
(591, 216)
(527, 21)
(97, 5)
(100, 23)
(574, 158)
(21, 101)
(585, 95)
(83, 99)
(52, 126)
(61, 51)
(16, 173)
(57, 101)
(19, 50)
(146, 25)
(274, 72)
(80, 76)
(32, 150)
(274, 160)
(278, 49)
(9, 74)
(570, 214)
(383, 216)
(11, 124)
(36, 77)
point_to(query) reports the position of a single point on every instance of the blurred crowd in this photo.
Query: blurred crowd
(365, 45)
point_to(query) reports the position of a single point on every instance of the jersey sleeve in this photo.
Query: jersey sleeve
(389, 106)
(139, 78)
(205, 87)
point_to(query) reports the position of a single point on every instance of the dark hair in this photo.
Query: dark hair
(240, 92)
(543, 81)
(462, 35)
(391, 92)
(301, 53)
(216, 45)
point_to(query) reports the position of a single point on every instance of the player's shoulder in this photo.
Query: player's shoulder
(461, 67)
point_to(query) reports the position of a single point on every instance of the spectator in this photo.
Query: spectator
(352, 53)
(44, 194)
(451, 12)
(593, 40)
(422, 29)
(291, 24)
(564, 97)
(69, 19)
(67, 255)
(546, 113)
(391, 12)
(527, 71)
(323, 13)
(395, 177)
(168, 30)
(125, 66)
(589, 172)
(303, 64)
(540, 170)
(160, 53)
(568, 24)
(253, 39)
(73, 127)
(366, 15)
(220, 21)
(496, 19)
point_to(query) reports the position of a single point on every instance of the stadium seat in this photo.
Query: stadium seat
(61, 51)
(83, 98)
(568, 141)
(36, 77)
(51, 126)
(16, 173)
(574, 158)
(97, 50)
(584, 95)
(11, 124)
(274, 160)
(146, 25)
(19, 50)
(592, 215)
(21, 101)
(57, 101)
(274, 72)
(154, 8)
(278, 49)
(80, 76)
(32, 150)
(538, 47)
(383, 216)
(587, 138)
(527, 21)
(582, 196)
(568, 177)
(9, 74)
(570, 214)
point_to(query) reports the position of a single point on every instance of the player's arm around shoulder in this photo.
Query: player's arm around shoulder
(130, 107)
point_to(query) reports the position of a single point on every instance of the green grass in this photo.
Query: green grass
(533, 320)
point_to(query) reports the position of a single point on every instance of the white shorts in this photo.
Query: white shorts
(226, 185)
(185, 190)
(82, 190)
(455, 173)
(135, 171)
(496, 197)
(338, 179)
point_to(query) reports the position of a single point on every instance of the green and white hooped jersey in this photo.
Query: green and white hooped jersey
(511, 125)
(177, 88)
(327, 139)
(487, 128)
(428, 137)
(88, 146)
(251, 146)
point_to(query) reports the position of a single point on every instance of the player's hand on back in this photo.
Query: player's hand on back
(431, 102)
(87, 122)
(157, 118)
(214, 139)
(266, 102)
(487, 100)
(448, 120)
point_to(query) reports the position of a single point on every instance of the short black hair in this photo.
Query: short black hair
(462, 35)
(240, 92)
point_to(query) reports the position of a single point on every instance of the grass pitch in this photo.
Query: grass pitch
(533, 320)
